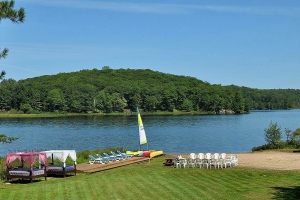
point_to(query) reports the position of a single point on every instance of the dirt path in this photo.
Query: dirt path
(270, 160)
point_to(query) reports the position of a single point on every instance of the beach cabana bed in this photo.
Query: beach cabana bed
(27, 170)
(61, 155)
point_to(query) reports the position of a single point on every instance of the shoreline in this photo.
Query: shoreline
(50, 115)
(157, 113)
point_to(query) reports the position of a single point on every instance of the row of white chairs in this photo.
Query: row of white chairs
(207, 160)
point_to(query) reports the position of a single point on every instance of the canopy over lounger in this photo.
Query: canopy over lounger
(61, 155)
(28, 158)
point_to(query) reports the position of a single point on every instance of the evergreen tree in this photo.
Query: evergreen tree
(7, 11)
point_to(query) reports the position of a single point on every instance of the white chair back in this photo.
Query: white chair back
(208, 155)
(223, 155)
(201, 156)
(216, 156)
(192, 155)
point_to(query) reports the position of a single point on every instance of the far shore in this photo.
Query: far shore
(157, 113)
(18, 115)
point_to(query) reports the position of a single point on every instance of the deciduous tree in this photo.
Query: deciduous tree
(273, 135)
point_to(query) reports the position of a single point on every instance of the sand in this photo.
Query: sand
(270, 160)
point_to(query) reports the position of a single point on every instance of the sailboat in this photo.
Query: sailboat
(143, 141)
(142, 133)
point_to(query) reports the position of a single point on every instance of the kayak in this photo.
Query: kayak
(156, 153)
(134, 153)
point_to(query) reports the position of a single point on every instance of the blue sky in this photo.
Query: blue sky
(246, 43)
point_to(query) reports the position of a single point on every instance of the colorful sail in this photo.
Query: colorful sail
(143, 139)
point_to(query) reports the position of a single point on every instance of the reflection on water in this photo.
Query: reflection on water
(172, 134)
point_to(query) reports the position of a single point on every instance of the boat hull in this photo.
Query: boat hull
(134, 153)
(156, 153)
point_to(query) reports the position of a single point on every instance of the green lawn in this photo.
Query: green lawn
(155, 181)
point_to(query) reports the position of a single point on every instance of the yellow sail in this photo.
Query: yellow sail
(143, 139)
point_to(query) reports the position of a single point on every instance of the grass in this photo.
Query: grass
(155, 181)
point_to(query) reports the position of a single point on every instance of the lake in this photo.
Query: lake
(172, 134)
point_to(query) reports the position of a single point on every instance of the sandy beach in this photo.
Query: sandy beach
(271, 160)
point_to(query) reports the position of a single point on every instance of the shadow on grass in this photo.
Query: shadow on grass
(59, 176)
(22, 181)
(287, 193)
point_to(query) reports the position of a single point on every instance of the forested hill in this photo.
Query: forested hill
(120, 90)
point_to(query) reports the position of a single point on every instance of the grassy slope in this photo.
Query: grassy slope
(155, 181)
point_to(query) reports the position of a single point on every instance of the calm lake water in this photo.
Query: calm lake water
(172, 134)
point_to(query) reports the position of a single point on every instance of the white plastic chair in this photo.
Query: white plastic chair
(191, 162)
(207, 160)
(198, 162)
(234, 160)
(226, 161)
(215, 160)
(192, 155)
(182, 163)
(201, 156)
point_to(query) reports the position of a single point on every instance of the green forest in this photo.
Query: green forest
(109, 90)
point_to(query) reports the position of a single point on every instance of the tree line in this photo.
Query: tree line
(107, 90)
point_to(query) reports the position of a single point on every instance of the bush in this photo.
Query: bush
(261, 148)
(13, 111)
(26, 108)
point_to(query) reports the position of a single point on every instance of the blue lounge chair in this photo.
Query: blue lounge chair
(125, 155)
(111, 157)
(105, 159)
(95, 160)
(118, 156)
